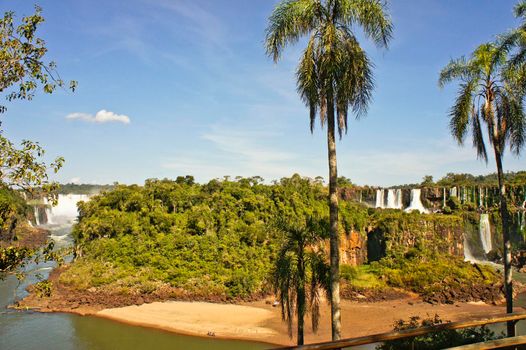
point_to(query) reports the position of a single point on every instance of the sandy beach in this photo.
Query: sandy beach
(259, 321)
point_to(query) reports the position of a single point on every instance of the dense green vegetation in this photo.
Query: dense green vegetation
(218, 240)
(13, 208)
(210, 240)
(511, 178)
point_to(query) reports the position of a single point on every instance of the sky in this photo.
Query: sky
(177, 87)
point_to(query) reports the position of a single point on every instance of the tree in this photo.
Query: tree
(300, 272)
(23, 71)
(334, 75)
(22, 59)
(489, 98)
(22, 168)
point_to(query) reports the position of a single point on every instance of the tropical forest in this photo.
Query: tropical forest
(285, 174)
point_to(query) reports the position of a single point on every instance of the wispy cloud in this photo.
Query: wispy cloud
(200, 20)
(243, 150)
(102, 116)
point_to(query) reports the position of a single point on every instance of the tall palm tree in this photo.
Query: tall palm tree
(489, 98)
(300, 272)
(334, 75)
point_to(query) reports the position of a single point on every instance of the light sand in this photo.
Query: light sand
(259, 321)
(197, 318)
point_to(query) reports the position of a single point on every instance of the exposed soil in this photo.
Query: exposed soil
(28, 237)
(374, 295)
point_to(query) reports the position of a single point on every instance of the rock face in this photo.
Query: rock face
(396, 234)
(353, 249)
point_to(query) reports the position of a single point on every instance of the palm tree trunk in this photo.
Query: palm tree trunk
(333, 218)
(508, 283)
(301, 295)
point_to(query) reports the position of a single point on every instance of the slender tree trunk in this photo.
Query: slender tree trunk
(301, 296)
(508, 283)
(333, 217)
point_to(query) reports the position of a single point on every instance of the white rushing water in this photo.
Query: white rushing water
(416, 202)
(380, 199)
(37, 216)
(65, 211)
(394, 199)
(485, 233)
(453, 192)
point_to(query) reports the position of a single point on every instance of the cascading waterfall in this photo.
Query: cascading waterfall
(394, 199)
(468, 255)
(66, 209)
(485, 233)
(416, 202)
(37, 216)
(380, 199)
(49, 216)
(64, 212)
(443, 197)
(453, 192)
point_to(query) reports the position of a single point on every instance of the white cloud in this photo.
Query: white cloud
(102, 116)
(75, 180)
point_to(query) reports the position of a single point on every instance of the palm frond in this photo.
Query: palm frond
(371, 15)
(460, 112)
(307, 80)
(520, 9)
(478, 138)
(290, 20)
(458, 68)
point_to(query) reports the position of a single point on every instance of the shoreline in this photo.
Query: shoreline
(260, 322)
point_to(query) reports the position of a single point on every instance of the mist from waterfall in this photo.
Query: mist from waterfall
(416, 202)
(468, 255)
(65, 211)
(485, 233)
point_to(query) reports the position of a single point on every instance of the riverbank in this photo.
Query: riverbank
(27, 237)
(260, 321)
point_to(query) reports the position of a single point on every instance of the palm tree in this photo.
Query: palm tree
(300, 272)
(334, 75)
(489, 98)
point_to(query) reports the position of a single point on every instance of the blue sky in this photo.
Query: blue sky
(202, 98)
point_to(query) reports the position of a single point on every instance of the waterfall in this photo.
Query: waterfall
(66, 209)
(64, 212)
(37, 216)
(380, 199)
(468, 255)
(443, 197)
(453, 192)
(481, 204)
(394, 199)
(485, 233)
(416, 203)
(49, 216)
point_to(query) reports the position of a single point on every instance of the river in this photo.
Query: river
(25, 330)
